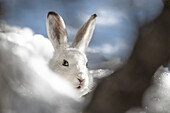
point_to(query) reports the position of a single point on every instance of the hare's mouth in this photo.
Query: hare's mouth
(79, 87)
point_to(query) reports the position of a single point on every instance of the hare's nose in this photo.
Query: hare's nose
(80, 80)
(80, 77)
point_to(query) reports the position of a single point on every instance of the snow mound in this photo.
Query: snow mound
(157, 97)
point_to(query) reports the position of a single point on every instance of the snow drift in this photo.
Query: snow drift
(27, 84)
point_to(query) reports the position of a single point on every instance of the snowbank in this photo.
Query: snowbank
(26, 82)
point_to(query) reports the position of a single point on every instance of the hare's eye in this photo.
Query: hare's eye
(87, 64)
(65, 63)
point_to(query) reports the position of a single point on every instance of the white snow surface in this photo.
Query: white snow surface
(26, 82)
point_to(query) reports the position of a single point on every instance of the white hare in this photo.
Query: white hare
(69, 60)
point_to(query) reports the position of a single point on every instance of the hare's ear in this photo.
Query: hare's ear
(56, 30)
(84, 35)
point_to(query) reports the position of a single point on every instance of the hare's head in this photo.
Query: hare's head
(69, 60)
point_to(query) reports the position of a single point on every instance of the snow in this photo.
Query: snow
(157, 97)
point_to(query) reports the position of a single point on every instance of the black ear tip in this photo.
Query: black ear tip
(94, 15)
(51, 13)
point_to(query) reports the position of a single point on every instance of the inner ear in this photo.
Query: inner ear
(84, 34)
(56, 30)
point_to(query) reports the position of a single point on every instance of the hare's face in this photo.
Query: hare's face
(72, 65)
(70, 61)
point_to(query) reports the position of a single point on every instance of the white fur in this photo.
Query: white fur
(74, 54)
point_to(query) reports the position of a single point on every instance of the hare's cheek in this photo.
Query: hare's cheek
(75, 81)
(86, 83)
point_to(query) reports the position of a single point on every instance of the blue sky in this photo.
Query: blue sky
(116, 27)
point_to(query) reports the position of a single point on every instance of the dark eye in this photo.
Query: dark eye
(87, 64)
(65, 63)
